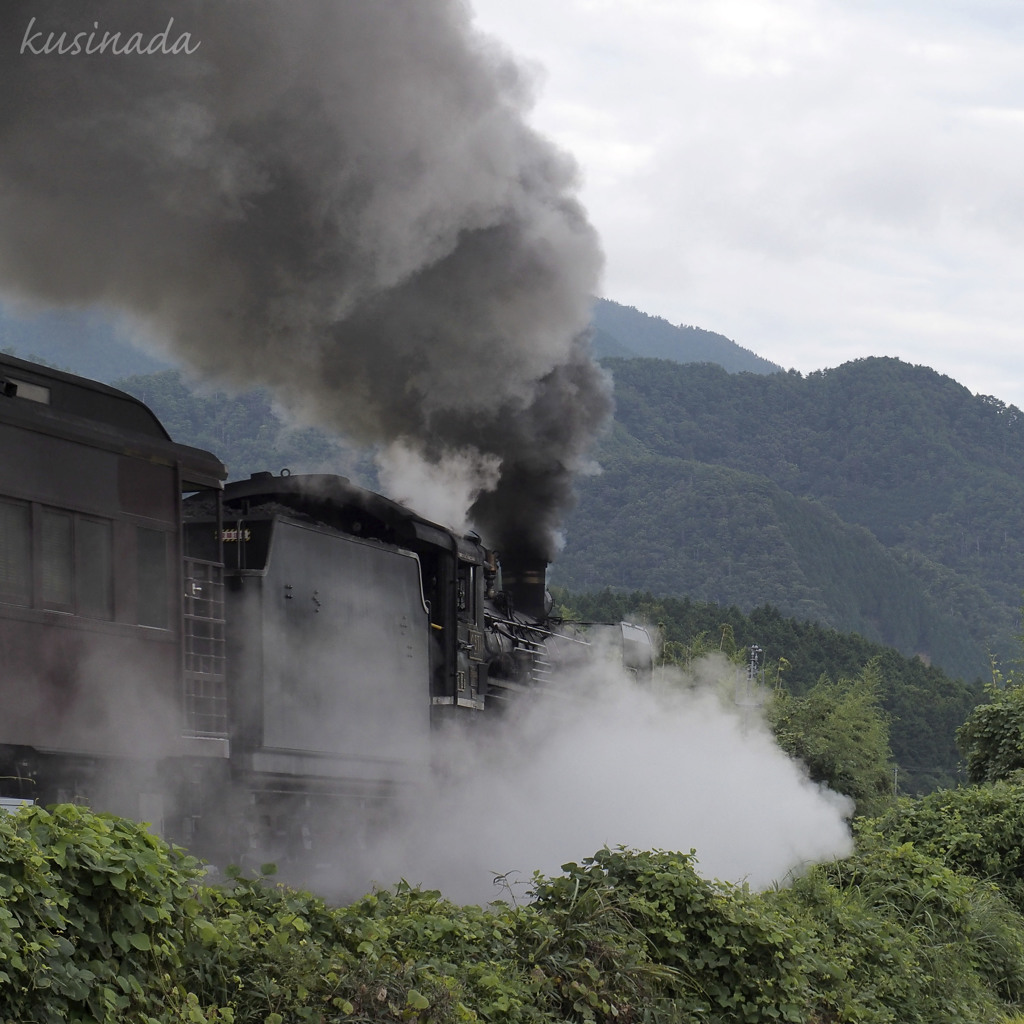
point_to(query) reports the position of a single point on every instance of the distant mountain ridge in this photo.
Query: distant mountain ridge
(625, 332)
(87, 343)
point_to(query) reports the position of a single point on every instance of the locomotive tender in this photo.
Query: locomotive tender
(241, 665)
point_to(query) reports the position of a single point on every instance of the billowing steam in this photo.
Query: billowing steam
(407, 477)
(337, 198)
(607, 761)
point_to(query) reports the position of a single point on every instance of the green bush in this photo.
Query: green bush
(977, 830)
(840, 733)
(719, 952)
(992, 738)
(91, 922)
(901, 937)
(102, 922)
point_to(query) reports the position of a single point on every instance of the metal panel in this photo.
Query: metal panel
(345, 648)
(57, 472)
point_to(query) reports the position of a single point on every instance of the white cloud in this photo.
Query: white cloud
(818, 180)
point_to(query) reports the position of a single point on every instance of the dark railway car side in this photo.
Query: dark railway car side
(91, 623)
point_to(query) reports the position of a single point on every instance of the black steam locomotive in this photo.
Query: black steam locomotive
(237, 664)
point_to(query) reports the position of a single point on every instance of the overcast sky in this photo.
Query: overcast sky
(819, 180)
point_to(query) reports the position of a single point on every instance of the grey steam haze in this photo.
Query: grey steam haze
(336, 198)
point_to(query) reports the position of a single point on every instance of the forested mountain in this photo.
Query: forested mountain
(878, 497)
(626, 332)
(680, 527)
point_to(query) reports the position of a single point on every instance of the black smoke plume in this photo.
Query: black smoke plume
(336, 198)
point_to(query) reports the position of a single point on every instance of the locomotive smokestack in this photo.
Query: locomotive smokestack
(524, 579)
(339, 200)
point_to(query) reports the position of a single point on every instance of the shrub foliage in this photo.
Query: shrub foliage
(101, 921)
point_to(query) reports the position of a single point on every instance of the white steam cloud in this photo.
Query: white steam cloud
(442, 491)
(605, 760)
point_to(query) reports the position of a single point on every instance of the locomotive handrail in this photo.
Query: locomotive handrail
(535, 629)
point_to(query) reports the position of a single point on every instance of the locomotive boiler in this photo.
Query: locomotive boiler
(244, 664)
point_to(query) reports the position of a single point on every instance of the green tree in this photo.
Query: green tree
(992, 738)
(840, 732)
(925, 705)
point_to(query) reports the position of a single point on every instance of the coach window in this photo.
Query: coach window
(95, 575)
(56, 552)
(15, 547)
(153, 578)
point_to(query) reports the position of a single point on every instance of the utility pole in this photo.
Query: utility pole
(750, 687)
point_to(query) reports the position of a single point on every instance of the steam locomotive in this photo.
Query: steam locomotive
(238, 664)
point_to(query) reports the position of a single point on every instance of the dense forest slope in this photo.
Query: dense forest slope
(679, 527)
(878, 497)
